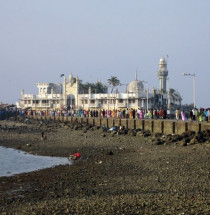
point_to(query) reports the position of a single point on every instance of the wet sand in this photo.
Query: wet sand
(117, 174)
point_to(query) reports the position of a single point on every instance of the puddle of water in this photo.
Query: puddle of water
(15, 162)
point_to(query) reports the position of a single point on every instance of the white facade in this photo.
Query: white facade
(49, 97)
(60, 96)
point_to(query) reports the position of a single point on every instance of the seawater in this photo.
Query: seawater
(14, 162)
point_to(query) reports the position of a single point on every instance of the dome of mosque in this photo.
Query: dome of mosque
(135, 86)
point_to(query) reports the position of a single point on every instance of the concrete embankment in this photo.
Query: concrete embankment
(154, 126)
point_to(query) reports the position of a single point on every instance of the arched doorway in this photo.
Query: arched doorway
(70, 101)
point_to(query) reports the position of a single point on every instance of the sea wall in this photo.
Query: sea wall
(154, 126)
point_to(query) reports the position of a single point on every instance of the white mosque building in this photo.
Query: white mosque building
(67, 95)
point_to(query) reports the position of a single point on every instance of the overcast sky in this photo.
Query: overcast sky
(41, 39)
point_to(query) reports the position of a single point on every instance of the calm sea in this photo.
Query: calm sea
(15, 161)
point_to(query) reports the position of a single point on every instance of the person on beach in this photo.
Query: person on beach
(127, 113)
(141, 114)
(138, 113)
(177, 114)
(130, 113)
(183, 116)
(156, 114)
(168, 114)
(104, 128)
(123, 114)
(134, 113)
(196, 114)
(191, 115)
(149, 114)
(201, 115)
(161, 113)
(193, 112)
(206, 115)
(43, 136)
(164, 114)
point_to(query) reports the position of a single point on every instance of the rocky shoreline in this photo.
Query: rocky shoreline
(128, 172)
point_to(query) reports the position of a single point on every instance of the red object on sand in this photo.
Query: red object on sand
(77, 155)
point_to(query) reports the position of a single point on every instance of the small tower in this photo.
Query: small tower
(162, 74)
(71, 79)
(22, 92)
(64, 90)
(89, 91)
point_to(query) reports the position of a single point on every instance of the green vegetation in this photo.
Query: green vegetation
(113, 82)
(97, 87)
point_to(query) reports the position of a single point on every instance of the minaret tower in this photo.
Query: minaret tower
(162, 74)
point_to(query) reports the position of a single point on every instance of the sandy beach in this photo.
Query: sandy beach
(116, 174)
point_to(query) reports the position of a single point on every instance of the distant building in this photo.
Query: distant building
(68, 95)
(49, 96)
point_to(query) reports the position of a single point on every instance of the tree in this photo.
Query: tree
(113, 82)
(97, 87)
(100, 88)
(172, 91)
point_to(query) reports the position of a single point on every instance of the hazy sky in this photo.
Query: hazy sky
(96, 39)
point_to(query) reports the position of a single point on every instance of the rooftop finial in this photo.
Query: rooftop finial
(136, 78)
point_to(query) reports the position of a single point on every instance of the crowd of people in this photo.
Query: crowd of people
(127, 113)
(193, 115)
(6, 112)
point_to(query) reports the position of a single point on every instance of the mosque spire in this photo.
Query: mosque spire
(136, 78)
(163, 74)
